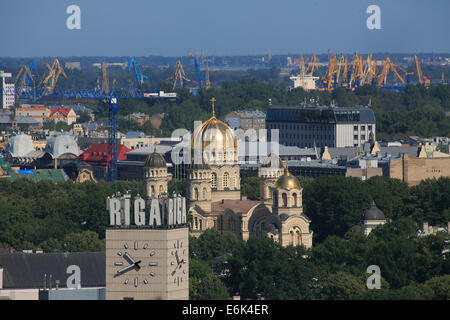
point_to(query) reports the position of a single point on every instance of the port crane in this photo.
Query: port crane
(382, 77)
(422, 79)
(202, 81)
(47, 88)
(50, 78)
(137, 71)
(26, 75)
(178, 75)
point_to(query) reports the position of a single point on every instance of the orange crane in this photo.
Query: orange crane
(384, 73)
(422, 79)
(312, 66)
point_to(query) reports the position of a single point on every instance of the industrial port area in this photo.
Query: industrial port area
(216, 165)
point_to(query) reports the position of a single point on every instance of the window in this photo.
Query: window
(295, 199)
(161, 189)
(204, 194)
(195, 194)
(226, 177)
(363, 137)
(214, 180)
(355, 128)
(363, 128)
(355, 137)
(370, 128)
(284, 196)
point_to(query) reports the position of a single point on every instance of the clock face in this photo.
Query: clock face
(178, 262)
(134, 263)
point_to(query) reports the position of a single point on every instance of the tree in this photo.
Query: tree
(334, 204)
(177, 186)
(250, 188)
(203, 285)
(84, 241)
(440, 286)
(341, 286)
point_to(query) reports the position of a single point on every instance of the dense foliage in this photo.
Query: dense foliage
(72, 217)
(63, 216)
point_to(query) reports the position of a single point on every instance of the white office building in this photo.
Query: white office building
(7, 93)
(309, 126)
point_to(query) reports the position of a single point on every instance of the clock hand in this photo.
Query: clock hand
(128, 258)
(176, 256)
(178, 266)
(128, 268)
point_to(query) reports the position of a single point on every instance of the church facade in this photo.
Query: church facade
(214, 190)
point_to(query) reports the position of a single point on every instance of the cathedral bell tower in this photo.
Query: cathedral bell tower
(155, 175)
(287, 195)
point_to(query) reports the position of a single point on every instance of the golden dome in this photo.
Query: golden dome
(287, 181)
(214, 134)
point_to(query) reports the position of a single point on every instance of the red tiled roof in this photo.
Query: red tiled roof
(64, 111)
(97, 154)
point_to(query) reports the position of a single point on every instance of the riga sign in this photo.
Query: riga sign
(161, 212)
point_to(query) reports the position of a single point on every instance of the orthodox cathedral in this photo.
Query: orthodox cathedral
(214, 191)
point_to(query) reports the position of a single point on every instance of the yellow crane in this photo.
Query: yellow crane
(50, 79)
(312, 66)
(422, 79)
(178, 75)
(22, 76)
(105, 81)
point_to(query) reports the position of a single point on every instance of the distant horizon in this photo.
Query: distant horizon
(231, 55)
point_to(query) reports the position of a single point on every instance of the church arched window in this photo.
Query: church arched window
(195, 194)
(291, 242)
(161, 190)
(153, 190)
(295, 200)
(226, 177)
(214, 180)
(204, 194)
(196, 223)
(284, 196)
(298, 237)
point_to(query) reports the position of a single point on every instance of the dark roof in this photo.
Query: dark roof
(155, 160)
(27, 270)
(310, 114)
(373, 213)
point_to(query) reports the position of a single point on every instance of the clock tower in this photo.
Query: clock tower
(147, 243)
(147, 264)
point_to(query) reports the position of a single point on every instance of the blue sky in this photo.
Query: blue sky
(229, 27)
